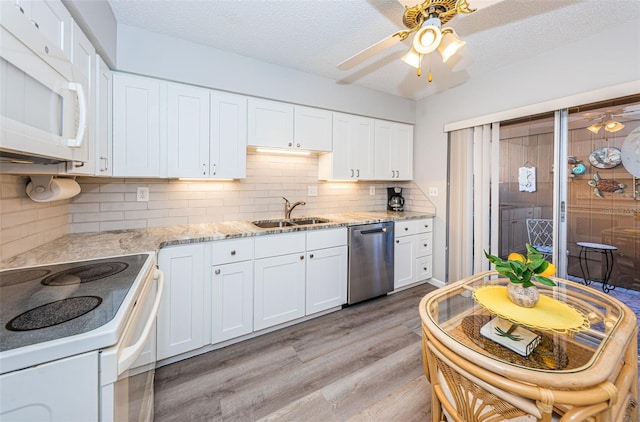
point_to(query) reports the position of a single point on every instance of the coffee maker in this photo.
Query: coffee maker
(395, 201)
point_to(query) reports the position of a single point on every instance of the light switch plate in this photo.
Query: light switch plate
(433, 191)
(372, 190)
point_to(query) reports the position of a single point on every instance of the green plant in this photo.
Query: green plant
(521, 270)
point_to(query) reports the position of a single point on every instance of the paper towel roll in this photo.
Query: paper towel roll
(47, 188)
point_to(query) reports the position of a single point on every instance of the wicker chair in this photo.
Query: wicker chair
(540, 235)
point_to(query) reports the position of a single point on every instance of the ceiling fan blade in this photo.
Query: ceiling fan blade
(369, 52)
(409, 3)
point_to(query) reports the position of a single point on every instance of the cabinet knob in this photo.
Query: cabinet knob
(424, 268)
(310, 255)
(425, 245)
(406, 228)
(290, 144)
(397, 241)
(217, 271)
(233, 253)
(298, 145)
(301, 257)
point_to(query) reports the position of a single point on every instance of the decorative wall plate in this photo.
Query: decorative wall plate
(605, 157)
(631, 152)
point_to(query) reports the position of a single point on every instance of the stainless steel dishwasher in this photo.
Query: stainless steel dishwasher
(370, 261)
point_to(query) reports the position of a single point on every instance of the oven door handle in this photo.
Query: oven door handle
(131, 353)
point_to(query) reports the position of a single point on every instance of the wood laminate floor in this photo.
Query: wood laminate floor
(362, 363)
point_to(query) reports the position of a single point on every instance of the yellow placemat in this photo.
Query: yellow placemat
(548, 314)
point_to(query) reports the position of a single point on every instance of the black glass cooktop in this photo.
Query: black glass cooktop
(45, 303)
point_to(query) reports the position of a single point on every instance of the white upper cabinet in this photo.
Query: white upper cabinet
(103, 119)
(280, 125)
(393, 151)
(136, 126)
(353, 149)
(270, 124)
(312, 128)
(228, 140)
(187, 131)
(51, 19)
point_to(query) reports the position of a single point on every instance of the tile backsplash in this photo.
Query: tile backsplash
(110, 203)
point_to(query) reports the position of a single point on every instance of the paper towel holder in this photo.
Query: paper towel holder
(49, 188)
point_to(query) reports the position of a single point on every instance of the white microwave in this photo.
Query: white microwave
(43, 111)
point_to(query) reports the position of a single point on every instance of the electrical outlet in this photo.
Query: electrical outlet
(372, 190)
(142, 194)
(433, 191)
(312, 191)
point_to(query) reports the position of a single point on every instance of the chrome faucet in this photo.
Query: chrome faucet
(288, 207)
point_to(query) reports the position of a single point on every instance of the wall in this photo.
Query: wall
(563, 73)
(108, 204)
(97, 21)
(25, 224)
(178, 60)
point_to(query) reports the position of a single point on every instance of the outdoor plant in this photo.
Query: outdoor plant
(521, 270)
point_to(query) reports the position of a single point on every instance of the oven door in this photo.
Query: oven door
(127, 369)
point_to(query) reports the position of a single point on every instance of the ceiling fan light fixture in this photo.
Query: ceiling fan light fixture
(595, 128)
(412, 58)
(613, 126)
(450, 44)
(428, 37)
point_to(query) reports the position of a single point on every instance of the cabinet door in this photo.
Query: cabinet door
(393, 152)
(181, 314)
(312, 129)
(187, 131)
(103, 119)
(352, 156)
(404, 262)
(423, 268)
(270, 123)
(361, 147)
(84, 60)
(279, 289)
(424, 244)
(52, 19)
(232, 300)
(326, 279)
(136, 126)
(228, 137)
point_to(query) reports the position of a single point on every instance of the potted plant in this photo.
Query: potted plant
(522, 272)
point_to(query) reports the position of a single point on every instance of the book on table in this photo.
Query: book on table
(511, 336)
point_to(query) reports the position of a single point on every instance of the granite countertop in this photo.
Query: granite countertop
(81, 246)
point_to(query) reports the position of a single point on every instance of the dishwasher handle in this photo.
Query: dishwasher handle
(374, 231)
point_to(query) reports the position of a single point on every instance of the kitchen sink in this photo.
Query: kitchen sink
(281, 222)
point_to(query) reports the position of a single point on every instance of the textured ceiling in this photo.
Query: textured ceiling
(315, 35)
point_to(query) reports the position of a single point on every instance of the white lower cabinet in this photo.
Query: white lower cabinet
(413, 252)
(279, 290)
(326, 279)
(231, 300)
(181, 314)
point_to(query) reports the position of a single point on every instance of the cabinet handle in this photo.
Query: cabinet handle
(311, 256)
(357, 172)
(217, 271)
(351, 172)
(301, 257)
(204, 169)
(233, 253)
(106, 164)
(20, 8)
(214, 169)
(35, 24)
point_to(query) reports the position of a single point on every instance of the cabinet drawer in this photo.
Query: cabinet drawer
(404, 228)
(424, 244)
(229, 251)
(326, 238)
(423, 268)
(280, 244)
(424, 225)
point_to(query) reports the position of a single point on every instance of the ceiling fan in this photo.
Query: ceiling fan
(425, 20)
(611, 120)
